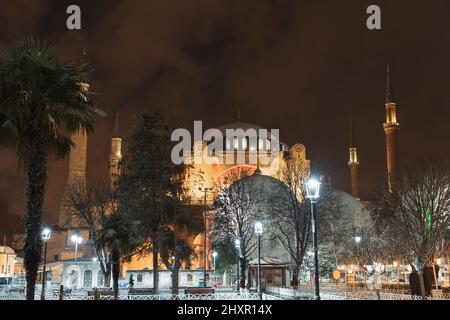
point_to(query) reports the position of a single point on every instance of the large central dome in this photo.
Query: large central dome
(239, 125)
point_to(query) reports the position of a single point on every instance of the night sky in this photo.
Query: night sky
(305, 67)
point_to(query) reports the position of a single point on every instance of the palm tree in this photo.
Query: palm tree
(119, 233)
(42, 102)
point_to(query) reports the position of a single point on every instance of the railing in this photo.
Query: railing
(328, 294)
(214, 296)
(272, 293)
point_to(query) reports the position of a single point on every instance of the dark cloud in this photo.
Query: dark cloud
(305, 67)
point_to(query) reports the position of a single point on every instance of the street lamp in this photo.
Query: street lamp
(358, 239)
(205, 190)
(259, 231)
(237, 245)
(214, 255)
(46, 233)
(312, 193)
(75, 238)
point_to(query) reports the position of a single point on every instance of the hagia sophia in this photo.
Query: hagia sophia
(86, 271)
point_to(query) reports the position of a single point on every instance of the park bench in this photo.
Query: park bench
(199, 291)
(141, 291)
(102, 293)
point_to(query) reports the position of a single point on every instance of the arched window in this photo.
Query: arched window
(87, 279)
(100, 279)
(267, 144)
(227, 144)
(73, 279)
(260, 144)
(244, 143)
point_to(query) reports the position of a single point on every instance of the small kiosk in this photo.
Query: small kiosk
(273, 272)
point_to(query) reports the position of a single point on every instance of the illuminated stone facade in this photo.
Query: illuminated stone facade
(204, 180)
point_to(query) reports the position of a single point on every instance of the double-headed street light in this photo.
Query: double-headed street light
(237, 245)
(312, 193)
(46, 233)
(75, 238)
(259, 231)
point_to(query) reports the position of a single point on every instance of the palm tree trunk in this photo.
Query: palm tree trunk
(155, 266)
(116, 272)
(36, 181)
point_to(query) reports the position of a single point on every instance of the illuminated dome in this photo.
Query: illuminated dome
(264, 192)
(6, 250)
(239, 125)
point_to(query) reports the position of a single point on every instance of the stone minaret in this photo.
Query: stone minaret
(391, 129)
(116, 154)
(77, 170)
(77, 175)
(353, 163)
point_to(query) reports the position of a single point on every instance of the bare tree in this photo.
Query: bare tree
(237, 209)
(290, 219)
(91, 206)
(418, 208)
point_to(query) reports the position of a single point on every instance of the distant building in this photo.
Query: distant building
(7, 263)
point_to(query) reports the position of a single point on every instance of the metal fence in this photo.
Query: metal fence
(328, 294)
(272, 293)
(167, 297)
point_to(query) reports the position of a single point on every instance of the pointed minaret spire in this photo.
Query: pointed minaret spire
(389, 91)
(391, 129)
(116, 130)
(353, 162)
(352, 135)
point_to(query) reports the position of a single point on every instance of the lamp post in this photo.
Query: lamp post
(205, 190)
(46, 233)
(214, 255)
(312, 193)
(77, 240)
(259, 231)
(237, 245)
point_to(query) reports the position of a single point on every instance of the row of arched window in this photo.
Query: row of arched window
(87, 279)
(248, 144)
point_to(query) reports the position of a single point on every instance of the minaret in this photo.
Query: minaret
(353, 163)
(77, 175)
(116, 154)
(77, 170)
(391, 129)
